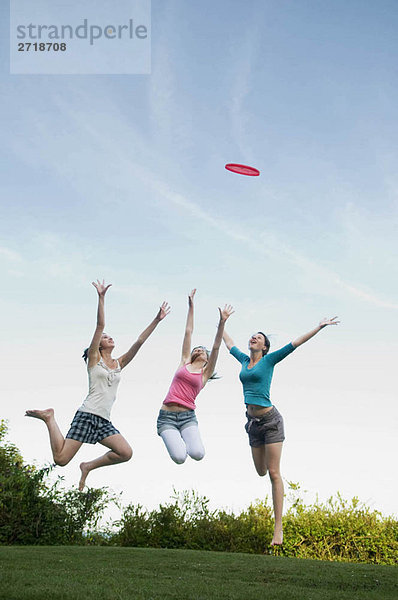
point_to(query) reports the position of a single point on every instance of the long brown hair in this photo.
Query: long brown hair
(214, 375)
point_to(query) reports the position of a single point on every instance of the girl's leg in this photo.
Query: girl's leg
(63, 449)
(120, 451)
(265, 458)
(259, 460)
(193, 442)
(175, 445)
(273, 454)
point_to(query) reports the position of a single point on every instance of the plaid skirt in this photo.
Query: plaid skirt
(89, 428)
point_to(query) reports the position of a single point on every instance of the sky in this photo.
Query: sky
(122, 177)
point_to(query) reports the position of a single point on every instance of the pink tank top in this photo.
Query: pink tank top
(184, 388)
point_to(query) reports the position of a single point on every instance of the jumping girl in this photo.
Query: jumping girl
(264, 423)
(91, 422)
(177, 424)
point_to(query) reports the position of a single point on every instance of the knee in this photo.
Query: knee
(179, 459)
(262, 472)
(126, 454)
(61, 461)
(198, 455)
(274, 474)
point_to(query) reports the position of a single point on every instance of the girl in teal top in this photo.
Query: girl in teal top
(256, 380)
(264, 423)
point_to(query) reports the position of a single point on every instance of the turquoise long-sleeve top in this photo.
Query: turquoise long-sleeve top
(257, 380)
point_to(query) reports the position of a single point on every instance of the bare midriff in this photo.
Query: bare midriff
(174, 407)
(254, 410)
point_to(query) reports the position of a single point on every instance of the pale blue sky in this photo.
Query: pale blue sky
(123, 177)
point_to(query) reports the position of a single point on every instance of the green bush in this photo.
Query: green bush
(340, 531)
(336, 530)
(187, 522)
(34, 511)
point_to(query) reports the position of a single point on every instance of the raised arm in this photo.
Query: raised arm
(208, 371)
(129, 355)
(227, 340)
(186, 344)
(307, 336)
(93, 350)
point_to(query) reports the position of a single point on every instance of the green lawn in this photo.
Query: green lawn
(102, 573)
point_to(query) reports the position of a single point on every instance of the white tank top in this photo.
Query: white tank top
(102, 386)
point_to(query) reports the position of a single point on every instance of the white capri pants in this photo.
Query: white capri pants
(180, 434)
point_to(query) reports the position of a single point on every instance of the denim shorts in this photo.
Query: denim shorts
(267, 429)
(175, 420)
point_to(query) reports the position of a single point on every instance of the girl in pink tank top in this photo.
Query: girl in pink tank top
(177, 424)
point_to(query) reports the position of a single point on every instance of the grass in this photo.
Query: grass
(109, 573)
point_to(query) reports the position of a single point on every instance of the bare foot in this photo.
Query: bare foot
(43, 415)
(277, 540)
(85, 471)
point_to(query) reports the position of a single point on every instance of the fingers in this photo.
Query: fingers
(164, 310)
(325, 321)
(227, 311)
(101, 288)
(228, 308)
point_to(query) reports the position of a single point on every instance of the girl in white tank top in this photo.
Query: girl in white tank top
(102, 386)
(91, 422)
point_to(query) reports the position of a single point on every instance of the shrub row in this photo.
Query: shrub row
(336, 530)
(36, 511)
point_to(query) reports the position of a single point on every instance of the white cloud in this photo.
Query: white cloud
(10, 255)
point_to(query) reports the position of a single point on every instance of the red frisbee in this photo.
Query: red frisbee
(242, 169)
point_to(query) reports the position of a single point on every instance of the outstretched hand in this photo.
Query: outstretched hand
(163, 311)
(101, 288)
(226, 312)
(191, 297)
(326, 322)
